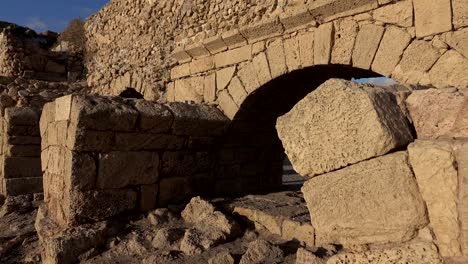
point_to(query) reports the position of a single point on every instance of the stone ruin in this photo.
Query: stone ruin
(229, 90)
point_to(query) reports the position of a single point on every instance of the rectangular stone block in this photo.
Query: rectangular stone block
(223, 77)
(262, 68)
(202, 65)
(21, 167)
(215, 44)
(296, 18)
(234, 39)
(23, 140)
(237, 91)
(291, 48)
(460, 13)
(306, 48)
(88, 140)
(227, 104)
(248, 75)
(176, 164)
(47, 116)
(180, 71)
(79, 170)
(393, 44)
(432, 17)
(323, 43)
(170, 92)
(367, 43)
(346, 31)
(83, 205)
(190, 89)
(209, 90)
(16, 130)
(263, 30)
(382, 202)
(197, 50)
(21, 116)
(144, 141)
(154, 117)
(233, 56)
(19, 186)
(434, 166)
(181, 55)
(63, 108)
(328, 10)
(276, 58)
(22, 150)
(122, 169)
(197, 120)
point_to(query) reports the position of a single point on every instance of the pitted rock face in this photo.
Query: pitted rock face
(342, 123)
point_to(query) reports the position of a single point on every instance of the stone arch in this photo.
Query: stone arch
(251, 154)
(403, 47)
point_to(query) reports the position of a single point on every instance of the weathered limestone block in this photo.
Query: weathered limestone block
(185, 163)
(432, 17)
(237, 91)
(460, 13)
(375, 201)
(202, 65)
(248, 75)
(88, 140)
(450, 70)
(223, 77)
(21, 116)
(197, 50)
(261, 251)
(112, 112)
(197, 120)
(434, 165)
(400, 14)
(22, 150)
(153, 117)
(190, 89)
(418, 58)
(394, 42)
(330, 10)
(145, 142)
(122, 169)
(460, 150)
(233, 39)
(20, 186)
(291, 48)
(263, 30)
(262, 68)
(367, 43)
(21, 167)
(180, 71)
(234, 56)
(83, 207)
(346, 31)
(215, 44)
(323, 43)
(306, 49)
(277, 58)
(209, 91)
(439, 113)
(342, 123)
(227, 104)
(415, 252)
(173, 190)
(458, 40)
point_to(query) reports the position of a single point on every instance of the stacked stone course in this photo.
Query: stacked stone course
(124, 155)
(20, 152)
(24, 53)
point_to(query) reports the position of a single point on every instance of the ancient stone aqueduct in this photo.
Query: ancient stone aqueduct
(223, 72)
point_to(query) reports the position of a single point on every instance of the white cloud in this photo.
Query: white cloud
(37, 24)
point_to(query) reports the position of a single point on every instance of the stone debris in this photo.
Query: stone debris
(342, 123)
(261, 251)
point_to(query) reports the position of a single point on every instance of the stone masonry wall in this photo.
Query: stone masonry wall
(401, 40)
(25, 53)
(124, 154)
(132, 39)
(20, 151)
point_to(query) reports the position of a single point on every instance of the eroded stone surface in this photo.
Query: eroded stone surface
(341, 123)
(375, 201)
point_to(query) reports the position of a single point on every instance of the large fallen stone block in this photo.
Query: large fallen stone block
(417, 252)
(375, 201)
(342, 123)
(435, 165)
(439, 113)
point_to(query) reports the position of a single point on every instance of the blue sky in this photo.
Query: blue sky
(42, 15)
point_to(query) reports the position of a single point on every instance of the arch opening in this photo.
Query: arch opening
(251, 150)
